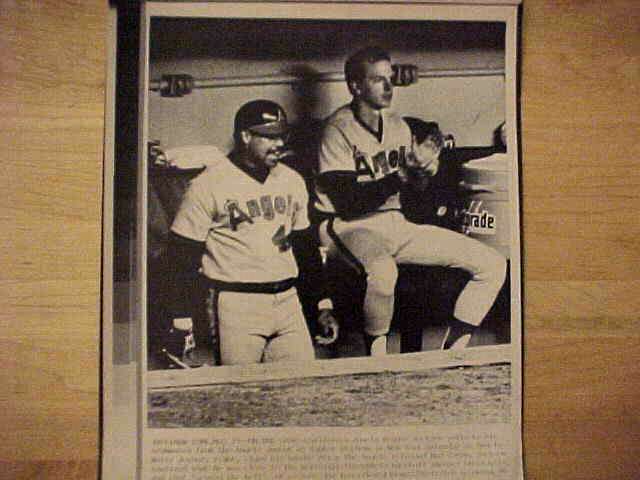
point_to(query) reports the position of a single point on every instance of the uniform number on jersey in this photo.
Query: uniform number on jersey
(281, 239)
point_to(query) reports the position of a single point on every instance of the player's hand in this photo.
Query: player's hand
(422, 162)
(329, 327)
(411, 169)
(426, 157)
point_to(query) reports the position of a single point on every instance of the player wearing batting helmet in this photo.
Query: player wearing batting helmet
(240, 223)
(366, 157)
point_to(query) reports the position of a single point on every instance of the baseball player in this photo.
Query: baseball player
(367, 155)
(240, 224)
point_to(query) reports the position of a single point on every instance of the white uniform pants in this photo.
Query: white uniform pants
(378, 243)
(259, 327)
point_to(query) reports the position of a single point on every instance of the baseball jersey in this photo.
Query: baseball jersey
(347, 145)
(244, 223)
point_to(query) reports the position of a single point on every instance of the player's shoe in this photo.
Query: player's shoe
(376, 345)
(459, 343)
(458, 335)
(179, 348)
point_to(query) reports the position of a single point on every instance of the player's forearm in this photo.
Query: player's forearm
(352, 199)
(185, 253)
(312, 278)
(184, 256)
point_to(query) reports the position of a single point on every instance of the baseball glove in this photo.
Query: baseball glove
(422, 162)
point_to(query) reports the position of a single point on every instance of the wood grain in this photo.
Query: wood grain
(580, 130)
(52, 130)
(580, 126)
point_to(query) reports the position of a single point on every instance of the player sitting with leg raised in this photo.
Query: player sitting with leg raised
(240, 224)
(365, 158)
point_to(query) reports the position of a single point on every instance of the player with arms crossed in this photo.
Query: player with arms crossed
(366, 156)
(241, 224)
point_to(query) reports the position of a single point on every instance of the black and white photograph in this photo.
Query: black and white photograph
(320, 227)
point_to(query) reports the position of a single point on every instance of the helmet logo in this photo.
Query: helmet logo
(269, 117)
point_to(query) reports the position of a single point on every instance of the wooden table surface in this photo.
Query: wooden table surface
(580, 131)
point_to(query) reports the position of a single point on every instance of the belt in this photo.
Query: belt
(319, 217)
(253, 287)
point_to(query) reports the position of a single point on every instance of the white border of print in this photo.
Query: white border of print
(356, 10)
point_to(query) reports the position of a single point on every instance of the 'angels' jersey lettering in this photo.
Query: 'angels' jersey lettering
(381, 164)
(266, 207)
(245, 224)
(347, 146)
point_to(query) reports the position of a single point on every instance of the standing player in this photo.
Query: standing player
(366, 157)
(240, 223)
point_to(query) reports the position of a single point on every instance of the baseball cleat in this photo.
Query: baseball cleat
(458, 335)
(377, 345)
